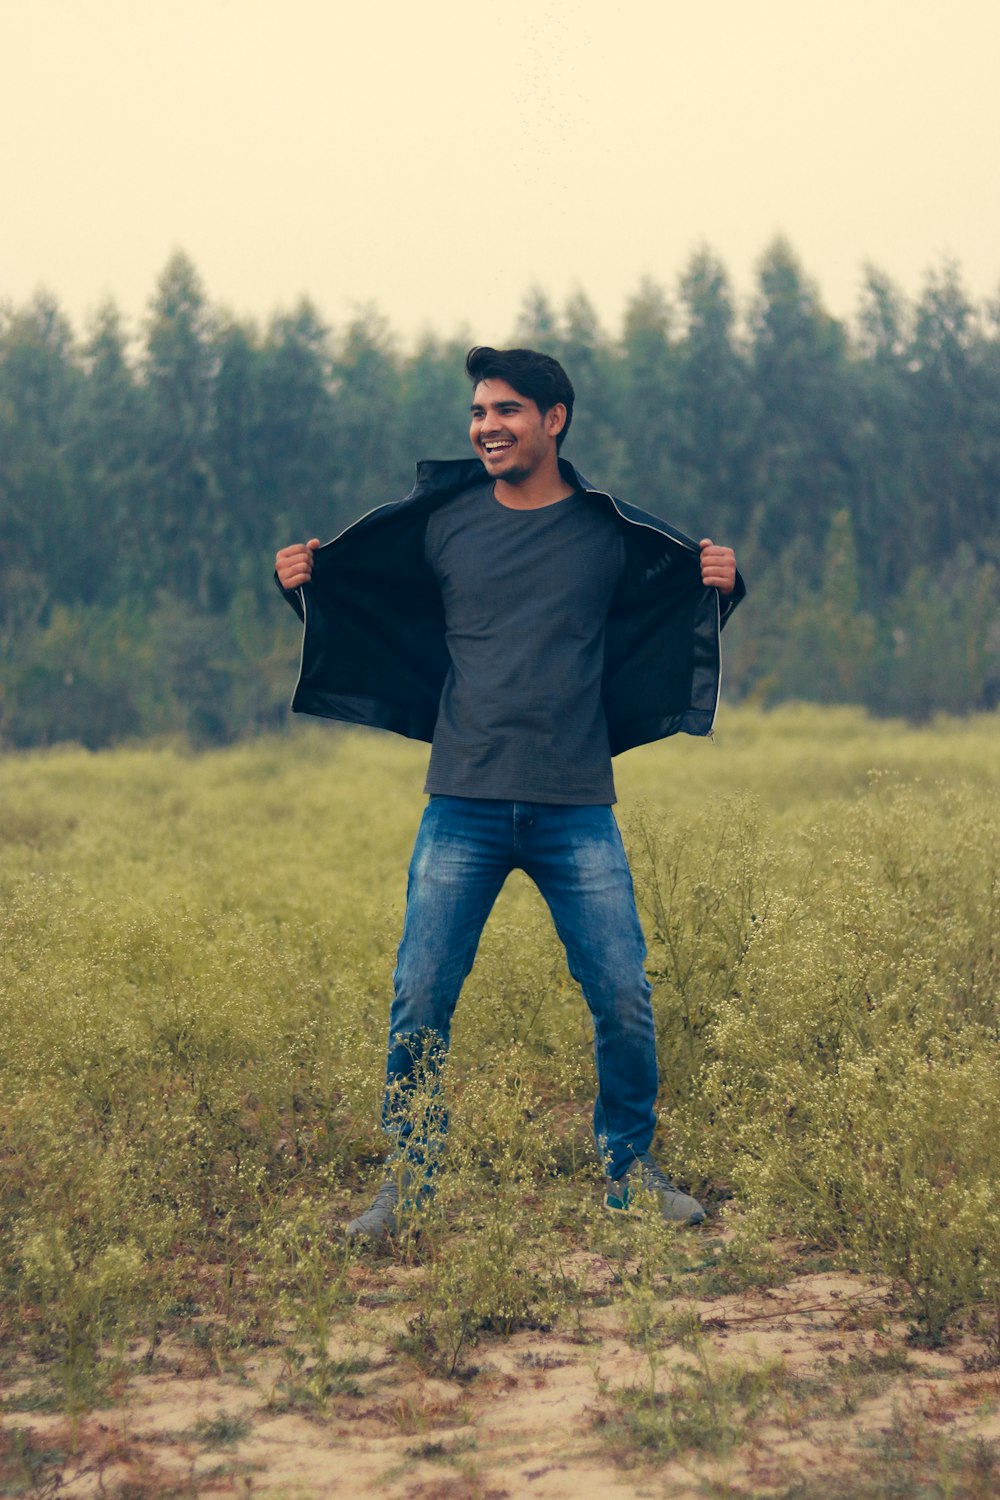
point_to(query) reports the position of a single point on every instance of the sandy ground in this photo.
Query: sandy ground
(531, 1421)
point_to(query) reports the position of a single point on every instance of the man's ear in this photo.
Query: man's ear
(555, 419)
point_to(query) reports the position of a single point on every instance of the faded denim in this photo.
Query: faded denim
(464, 851)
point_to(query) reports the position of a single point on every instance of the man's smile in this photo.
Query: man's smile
(516, 441)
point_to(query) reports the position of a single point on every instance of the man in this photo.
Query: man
(530, 627)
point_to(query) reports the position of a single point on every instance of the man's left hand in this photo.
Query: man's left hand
(718, 566)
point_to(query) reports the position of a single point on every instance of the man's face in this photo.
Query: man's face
(509, 433)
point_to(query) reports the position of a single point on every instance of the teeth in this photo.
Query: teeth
(496, 447)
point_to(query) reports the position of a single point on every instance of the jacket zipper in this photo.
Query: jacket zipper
(302, 646)
(718, 605)
(718, 675)
(302, 592)
(351, 525)
(688, 547)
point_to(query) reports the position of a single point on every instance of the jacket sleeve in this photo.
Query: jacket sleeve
(728, 604)
(292, 597)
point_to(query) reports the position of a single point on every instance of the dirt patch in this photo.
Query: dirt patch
(561, 1415)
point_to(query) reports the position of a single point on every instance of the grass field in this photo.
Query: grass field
(196, 963)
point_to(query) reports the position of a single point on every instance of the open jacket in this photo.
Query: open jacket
(373, 643)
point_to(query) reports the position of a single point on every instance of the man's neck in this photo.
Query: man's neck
(546, 487)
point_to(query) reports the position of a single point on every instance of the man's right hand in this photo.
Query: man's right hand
(294, 565)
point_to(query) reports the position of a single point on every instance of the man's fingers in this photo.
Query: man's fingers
(718, 566)
(294, 565)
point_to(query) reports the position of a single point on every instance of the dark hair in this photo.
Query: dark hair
(538, 376)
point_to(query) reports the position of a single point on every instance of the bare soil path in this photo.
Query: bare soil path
(851, 1410)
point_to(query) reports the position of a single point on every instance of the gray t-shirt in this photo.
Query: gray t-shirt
(526, 594)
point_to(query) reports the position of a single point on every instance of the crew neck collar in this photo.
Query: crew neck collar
(527, 510)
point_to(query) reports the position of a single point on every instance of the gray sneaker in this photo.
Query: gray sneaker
(381, 1221)
(677, 1207)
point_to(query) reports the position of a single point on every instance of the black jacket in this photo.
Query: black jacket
(373, 645)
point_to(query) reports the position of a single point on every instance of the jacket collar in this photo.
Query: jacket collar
(439, 478)
(447, 476)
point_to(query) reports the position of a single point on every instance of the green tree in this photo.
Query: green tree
(184, 512)
(714, 408)
(588, 358)
(434, 398)
(889, 505)
(941, 651)
(368, 425)
(143, 492)
(40, 528)
(648, 425)
(295, 441)
(236, 359)
(537, 324)
(955, 431)
(85, 674)
(111, 477)
(799, 458)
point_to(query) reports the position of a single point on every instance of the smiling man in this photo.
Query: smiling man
(530, 627)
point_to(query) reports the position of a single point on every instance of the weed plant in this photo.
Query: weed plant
(195, 960)
(853, 1094)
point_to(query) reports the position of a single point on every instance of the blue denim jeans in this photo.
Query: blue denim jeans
(465, 849)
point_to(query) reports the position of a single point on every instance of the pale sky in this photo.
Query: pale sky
(438, 159)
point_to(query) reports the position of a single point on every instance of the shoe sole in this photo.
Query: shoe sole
(626, 1208)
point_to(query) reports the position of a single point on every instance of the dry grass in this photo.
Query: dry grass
(195, 963)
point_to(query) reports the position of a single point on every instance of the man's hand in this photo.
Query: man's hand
(718, 566)
(294, 565)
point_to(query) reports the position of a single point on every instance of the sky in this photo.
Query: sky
(439, 160)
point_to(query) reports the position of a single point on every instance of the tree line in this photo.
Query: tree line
(146, 481)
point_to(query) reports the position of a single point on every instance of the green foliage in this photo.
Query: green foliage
(487, 1237)
(222, 1431)
(703, 889)
(195, 961)
(152, 478)
(828, 651)
(706, 1407)
(861, 1023)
